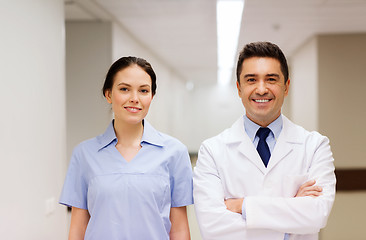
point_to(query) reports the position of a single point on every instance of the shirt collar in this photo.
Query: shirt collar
(107, 137)
(251, 127)
(150, 135)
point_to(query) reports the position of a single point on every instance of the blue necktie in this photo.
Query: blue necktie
(262, 147)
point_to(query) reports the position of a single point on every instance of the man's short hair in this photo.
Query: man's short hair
(262, 49)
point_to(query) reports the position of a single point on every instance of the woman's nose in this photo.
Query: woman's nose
(134, 97)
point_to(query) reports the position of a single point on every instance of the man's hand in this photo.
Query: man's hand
(234, 204)
(308, 189)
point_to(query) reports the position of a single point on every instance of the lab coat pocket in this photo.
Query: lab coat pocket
(292, 183)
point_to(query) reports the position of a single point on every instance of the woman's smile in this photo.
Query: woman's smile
(133, 109)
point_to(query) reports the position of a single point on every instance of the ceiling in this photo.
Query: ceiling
(182, 33)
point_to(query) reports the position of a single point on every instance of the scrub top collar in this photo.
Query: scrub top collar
(150, 136)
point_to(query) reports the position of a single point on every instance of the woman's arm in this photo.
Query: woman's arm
(79, 222)
(180, 227)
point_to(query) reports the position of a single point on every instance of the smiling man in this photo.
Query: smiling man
(265, 177)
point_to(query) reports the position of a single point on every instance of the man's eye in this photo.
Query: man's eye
(250, 80)
(272, 79)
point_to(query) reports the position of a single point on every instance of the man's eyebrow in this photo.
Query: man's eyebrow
(250, 75)
(273, 75)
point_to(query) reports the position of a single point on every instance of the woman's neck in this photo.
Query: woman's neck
(128, 134)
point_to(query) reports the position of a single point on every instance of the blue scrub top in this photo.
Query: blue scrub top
(129, 200)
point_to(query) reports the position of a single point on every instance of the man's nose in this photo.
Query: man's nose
(261, 88)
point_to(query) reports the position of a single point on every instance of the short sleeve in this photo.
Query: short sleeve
(181, 184)
(74, 192)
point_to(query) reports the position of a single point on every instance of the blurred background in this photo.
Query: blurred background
(54, 55)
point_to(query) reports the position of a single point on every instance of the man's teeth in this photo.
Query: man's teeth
(261, 100)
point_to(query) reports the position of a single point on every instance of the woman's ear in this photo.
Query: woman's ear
(108, 96)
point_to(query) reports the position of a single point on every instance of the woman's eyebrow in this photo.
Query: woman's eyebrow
(122, 83)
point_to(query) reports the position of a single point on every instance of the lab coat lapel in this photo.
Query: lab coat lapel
(281, 150)
(285, 144)
(246, 146)
(248, 150)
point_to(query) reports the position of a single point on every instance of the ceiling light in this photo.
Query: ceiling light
(228, 17)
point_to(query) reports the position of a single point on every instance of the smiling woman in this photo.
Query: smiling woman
(132, 182)
(130, 95)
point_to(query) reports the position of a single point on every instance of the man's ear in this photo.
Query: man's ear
(238, 87)
(287, 86)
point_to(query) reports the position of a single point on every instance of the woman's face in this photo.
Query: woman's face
(130, 95)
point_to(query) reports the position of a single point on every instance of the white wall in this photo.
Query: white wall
(211, 110)
(327, 91)
(342, 84)
(304, 85)
(32, 102)
(88, 57)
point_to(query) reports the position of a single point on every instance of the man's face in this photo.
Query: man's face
(262, 89)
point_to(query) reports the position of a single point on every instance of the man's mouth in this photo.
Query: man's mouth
(261, 100)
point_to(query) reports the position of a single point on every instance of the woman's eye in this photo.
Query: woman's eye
(144, 91)
(123, 89)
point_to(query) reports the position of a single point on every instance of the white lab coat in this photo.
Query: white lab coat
(229, 166)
